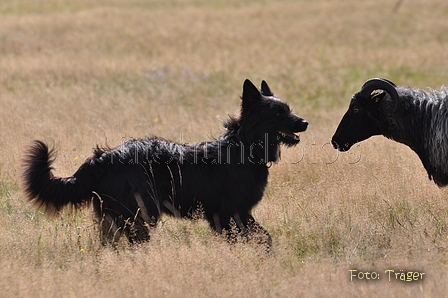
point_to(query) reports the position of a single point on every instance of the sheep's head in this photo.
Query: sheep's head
(362, 119)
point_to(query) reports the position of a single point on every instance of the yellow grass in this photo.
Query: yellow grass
(81, 73)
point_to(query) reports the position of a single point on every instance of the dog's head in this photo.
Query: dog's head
(264, 114)
(265, 122)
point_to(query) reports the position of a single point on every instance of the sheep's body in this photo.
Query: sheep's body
(414, 117)
(420, 120)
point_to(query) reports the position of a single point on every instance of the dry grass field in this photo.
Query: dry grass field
(80, 73)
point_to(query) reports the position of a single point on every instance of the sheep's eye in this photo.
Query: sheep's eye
(355, 110)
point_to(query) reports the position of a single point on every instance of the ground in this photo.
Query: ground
(77, 74)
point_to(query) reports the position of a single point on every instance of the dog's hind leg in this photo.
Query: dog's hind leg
(110, 227)
(139, 228)
(110, 230)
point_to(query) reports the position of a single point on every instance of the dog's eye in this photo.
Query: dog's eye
(282, 111)
(355, 110)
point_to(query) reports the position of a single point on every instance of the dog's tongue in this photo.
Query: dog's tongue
(294, 136)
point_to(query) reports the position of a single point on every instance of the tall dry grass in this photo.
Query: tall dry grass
(77, 73)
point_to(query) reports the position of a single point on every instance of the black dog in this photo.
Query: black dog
(133, 184)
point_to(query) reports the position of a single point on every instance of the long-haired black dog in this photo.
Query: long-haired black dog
(132, 184)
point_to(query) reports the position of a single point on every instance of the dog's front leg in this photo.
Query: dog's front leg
(242, 228)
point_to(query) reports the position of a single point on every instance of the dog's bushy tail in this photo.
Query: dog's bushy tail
(53, 193)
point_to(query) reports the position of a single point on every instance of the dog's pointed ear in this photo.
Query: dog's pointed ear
(250, 96)
(265, 90)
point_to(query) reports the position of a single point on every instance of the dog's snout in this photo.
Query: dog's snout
(300, 124)
(304, 123)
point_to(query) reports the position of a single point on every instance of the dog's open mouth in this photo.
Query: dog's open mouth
(288, 138)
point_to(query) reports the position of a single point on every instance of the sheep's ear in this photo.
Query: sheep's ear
(250, 95)
(378, 97)
(265, 90)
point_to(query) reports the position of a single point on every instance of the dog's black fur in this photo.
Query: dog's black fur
(133, 184)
